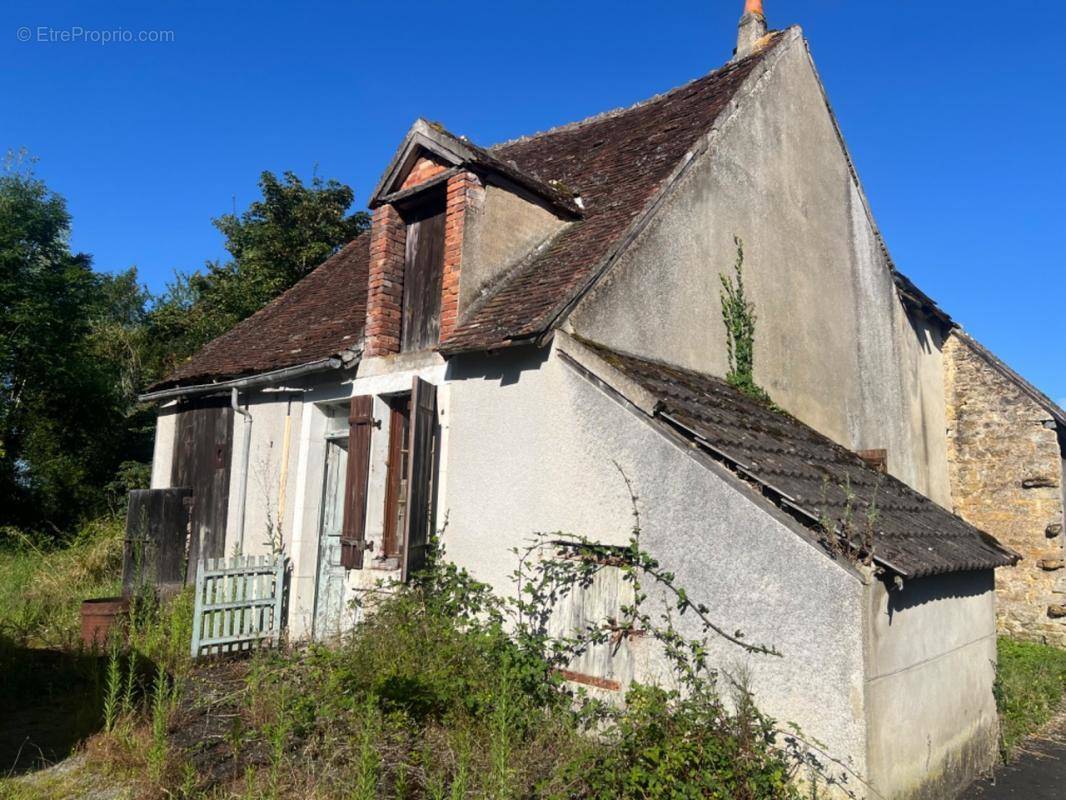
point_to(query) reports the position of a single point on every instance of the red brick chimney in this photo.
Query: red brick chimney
(752, 28)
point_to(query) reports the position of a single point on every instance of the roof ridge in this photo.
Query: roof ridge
(620, 110)
(1015, 377)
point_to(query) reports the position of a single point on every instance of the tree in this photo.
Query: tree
(274, 243)
(65, 381)
(77, 346)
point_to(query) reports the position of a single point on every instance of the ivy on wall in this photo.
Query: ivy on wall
(738, 315)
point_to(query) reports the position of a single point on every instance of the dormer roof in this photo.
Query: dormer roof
(458, 153)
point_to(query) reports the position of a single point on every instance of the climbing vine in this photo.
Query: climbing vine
(738, 314)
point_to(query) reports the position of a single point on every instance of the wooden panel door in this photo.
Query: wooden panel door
(329, 582)
(202, 451)
(422, 274)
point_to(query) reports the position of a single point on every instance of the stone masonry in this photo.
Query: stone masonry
(1005, 464)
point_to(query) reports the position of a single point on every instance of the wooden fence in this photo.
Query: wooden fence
(239, 604)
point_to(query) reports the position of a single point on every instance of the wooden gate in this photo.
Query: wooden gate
(239, 604)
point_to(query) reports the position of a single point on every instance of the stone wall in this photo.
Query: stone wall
(1005, 464)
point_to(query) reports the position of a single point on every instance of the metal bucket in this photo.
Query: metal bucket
(98, 617)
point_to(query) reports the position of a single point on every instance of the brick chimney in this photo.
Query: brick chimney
(752, 28)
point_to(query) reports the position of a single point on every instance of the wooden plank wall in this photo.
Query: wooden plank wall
(157, 525)
(203, 445)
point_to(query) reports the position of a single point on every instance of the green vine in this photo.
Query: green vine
(738, 314)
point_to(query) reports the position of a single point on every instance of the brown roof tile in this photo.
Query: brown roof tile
(618, 163)
(317, 318)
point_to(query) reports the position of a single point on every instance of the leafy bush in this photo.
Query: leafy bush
(446, 691)
(1030, 683)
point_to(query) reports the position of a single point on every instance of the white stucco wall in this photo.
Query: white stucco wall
(931, 654)
(530, 445)
(271, 469)
(163, 449)
(833, 344)
(533, 447)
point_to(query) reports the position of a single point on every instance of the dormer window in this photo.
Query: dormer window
(423, 270)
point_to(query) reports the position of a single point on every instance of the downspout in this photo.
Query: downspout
(283, 479)
(246, 450)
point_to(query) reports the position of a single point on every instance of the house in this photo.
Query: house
(1006, 453)
(523, 321)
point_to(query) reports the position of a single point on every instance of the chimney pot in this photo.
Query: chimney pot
(752, 28)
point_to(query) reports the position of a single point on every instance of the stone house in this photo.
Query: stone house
(1006, 451)
(524, 320)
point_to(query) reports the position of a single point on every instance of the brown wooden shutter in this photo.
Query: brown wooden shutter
(419, 522)
(353, 533)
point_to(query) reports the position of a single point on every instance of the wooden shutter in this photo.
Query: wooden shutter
(419, 522)
(353, 532)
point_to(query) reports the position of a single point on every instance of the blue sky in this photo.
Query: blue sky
(954, 112)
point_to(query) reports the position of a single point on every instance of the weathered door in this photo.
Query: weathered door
(422, 275)
(202, 448)
(329, 584)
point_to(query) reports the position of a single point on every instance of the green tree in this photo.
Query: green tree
(66, 374)
(278, 240)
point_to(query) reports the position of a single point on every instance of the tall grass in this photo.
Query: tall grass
(1030, 685)
(41, 587)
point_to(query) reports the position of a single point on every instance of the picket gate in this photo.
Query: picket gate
(239, 602)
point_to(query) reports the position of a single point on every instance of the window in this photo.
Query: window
(422, 273)
(396, 474)
(411, 467)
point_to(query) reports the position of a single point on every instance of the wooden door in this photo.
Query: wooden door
(422, 274)
(202, 449)
(329, 582)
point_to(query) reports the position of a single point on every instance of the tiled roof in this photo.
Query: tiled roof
(811, 476)
(618, 163)
(319, 317)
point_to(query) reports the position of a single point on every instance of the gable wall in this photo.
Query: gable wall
(531, 446)
(834, 345)
(998, 440)
(931, 656)
(426, 167)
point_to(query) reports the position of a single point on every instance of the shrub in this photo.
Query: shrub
(444, 691)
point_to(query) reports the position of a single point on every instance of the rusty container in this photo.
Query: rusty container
(99, 617)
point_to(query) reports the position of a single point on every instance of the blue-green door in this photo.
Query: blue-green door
(329, 585)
